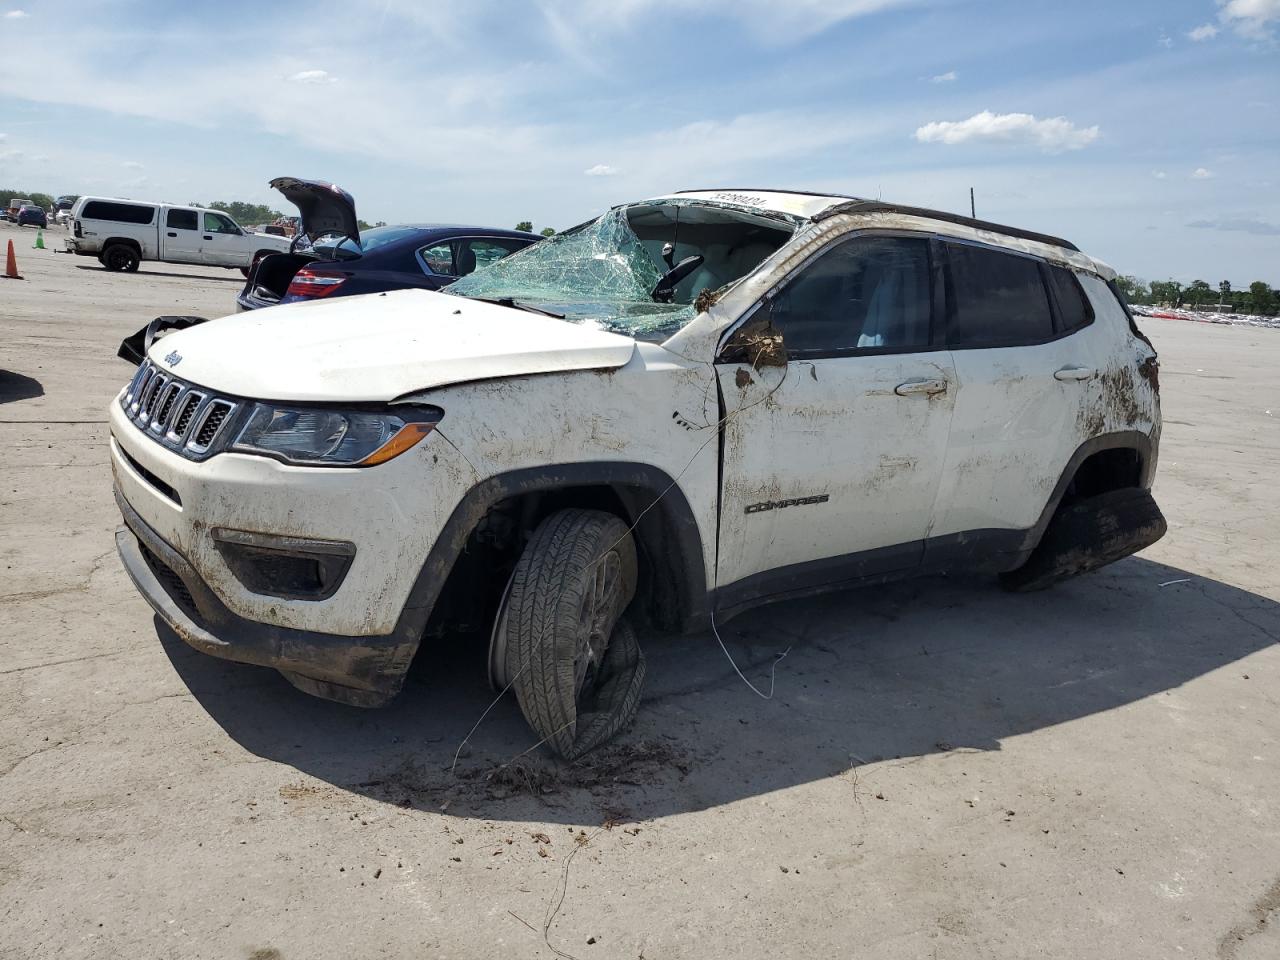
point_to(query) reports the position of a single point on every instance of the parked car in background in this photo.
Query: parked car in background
(690, 406)
(123, 233)
(32, 216)
(342, 260)
(16, 204)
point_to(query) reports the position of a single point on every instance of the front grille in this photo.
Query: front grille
(185, 418)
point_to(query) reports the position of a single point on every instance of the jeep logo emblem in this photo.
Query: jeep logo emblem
(174, 358)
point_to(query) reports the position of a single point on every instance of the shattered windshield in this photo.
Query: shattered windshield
(605, 273)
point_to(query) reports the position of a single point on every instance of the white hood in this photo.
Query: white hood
(378, 347)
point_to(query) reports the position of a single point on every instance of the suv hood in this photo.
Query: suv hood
(325, 208)
(379, 347)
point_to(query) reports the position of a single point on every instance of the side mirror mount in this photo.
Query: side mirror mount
(757, 343)
(665, 288)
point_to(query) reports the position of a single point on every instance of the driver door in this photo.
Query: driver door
(832, 461)
(222, 242)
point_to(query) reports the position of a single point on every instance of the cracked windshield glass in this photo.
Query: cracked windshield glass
(643, 271)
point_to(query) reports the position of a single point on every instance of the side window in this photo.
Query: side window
(869, 293)
(181, 220)
(439, 258)
(485, 252)
(119, 212)
(997, 299)
(1074, 311)
(217, 223)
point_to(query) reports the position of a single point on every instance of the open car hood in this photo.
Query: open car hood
(379, 347)
(325, 208)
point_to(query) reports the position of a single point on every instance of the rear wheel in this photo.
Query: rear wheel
(1088, 534)
(559, 642)
(119, 256)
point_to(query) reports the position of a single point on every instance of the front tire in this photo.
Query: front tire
(575, 666)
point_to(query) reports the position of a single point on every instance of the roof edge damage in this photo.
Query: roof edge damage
(817, 207)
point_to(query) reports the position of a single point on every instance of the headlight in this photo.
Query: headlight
(316, 436)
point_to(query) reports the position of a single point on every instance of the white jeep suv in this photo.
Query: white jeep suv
(686, 407)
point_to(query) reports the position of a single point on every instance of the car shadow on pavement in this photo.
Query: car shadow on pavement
(906, 670)
(143, 272)
(17, 386)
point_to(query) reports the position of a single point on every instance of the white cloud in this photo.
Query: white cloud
(131, 165)
(1200, 173)
(600, 170)
(1159, 174)
(1250, 18)
(1165, 40)
(313, 76)
(16, 15)
(1206, 31)
(949, 77)
(1052, 134)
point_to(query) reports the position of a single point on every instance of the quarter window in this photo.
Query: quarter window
(1074, 311)
(997, 299)
(868, 294)
(182, 220)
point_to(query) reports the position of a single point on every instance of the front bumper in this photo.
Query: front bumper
(364, 671)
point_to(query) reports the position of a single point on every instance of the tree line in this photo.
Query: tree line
(1259, 299)
(526, 226)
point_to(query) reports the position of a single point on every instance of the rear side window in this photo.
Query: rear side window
(868, 294)
(182, 219)
(1074, 311)
(997, 299)
(120, 212)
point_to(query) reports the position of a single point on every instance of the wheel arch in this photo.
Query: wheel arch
(1107, 462)
(668, 541)
(125, 241)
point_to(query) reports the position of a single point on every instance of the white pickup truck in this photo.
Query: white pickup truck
(123, 233)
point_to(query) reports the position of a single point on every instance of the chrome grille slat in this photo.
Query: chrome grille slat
(191, 400)
(164, 406)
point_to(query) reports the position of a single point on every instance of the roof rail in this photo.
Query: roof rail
(876, 206)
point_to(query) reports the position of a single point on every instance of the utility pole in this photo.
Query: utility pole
(973, 211)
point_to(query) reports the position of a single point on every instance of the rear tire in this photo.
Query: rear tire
(1089, 534)
(118, 257)
(576, 668)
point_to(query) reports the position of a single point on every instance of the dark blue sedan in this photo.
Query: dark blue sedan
(332, 257)
(32, 217)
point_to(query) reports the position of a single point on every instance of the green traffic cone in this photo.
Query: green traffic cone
(39, 240)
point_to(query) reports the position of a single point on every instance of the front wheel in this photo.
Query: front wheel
(575, 666)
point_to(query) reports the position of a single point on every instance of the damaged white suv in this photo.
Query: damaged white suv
(689, 406)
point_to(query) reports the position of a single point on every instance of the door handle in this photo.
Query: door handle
(917, 387)
(207, 237)
(1075, 373)
(170, 234)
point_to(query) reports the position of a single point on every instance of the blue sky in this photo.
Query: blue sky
(1146, 132)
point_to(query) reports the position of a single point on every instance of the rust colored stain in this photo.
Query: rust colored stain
(1150, 370)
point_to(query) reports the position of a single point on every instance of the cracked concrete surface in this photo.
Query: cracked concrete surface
(944, 771)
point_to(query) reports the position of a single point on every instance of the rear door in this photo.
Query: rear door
(832, 462)
(1026, 354)
(180, 236)
(222, 242)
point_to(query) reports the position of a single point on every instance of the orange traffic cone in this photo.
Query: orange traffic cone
(11, 265)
